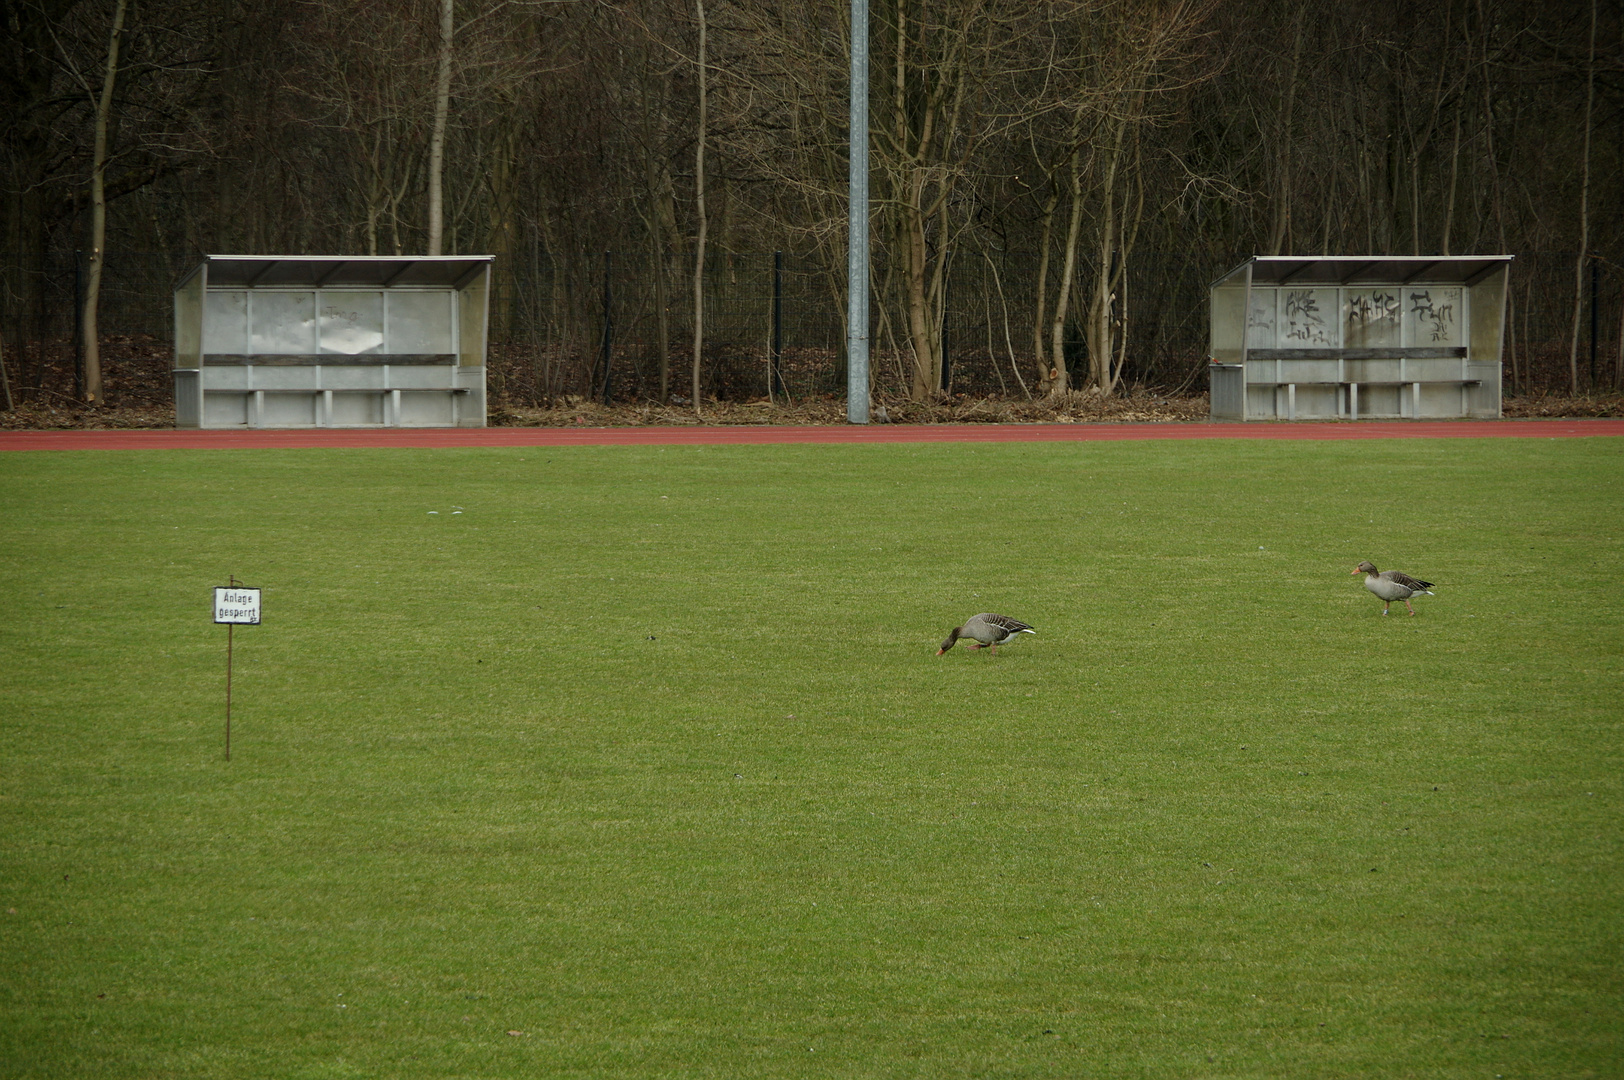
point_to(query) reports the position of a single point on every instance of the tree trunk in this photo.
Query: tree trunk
(501, 234)
(1060, 378)
(699, 213)
(1099, 308)
(1047, 371)
(916, 269)
(98, 213)
(1039, 327)
(912, 146)
(1490, 154)
(1584, 213)
(1099, 320)
(656, 242)
(1454, 178)
(1128, 238)
(442, 107)
(1282, 203)
(927, 100)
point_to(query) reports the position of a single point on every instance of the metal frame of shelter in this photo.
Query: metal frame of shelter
(1342, 337)
(332, 341)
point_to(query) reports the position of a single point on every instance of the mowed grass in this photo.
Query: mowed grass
(643, 764)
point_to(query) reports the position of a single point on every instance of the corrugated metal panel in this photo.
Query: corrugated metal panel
(1228, 383)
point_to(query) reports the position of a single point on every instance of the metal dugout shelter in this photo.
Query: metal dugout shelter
(332, 341)
(1335, 337)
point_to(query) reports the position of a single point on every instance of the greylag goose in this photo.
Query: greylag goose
(986, 631)
(1392, 585)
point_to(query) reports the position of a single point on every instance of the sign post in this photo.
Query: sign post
(233, 605)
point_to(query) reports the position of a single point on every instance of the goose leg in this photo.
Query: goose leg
(1407, 604)
(1386, 606)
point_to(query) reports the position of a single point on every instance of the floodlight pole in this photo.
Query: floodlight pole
(857, 224)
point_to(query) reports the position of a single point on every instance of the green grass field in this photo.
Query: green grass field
(644, 765)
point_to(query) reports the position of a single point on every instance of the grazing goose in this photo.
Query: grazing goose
(986, 631)
(1392, 585)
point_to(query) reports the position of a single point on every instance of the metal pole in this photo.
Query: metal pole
(229, 628)
(608, 327)
(1595, 267)
(78, 325)
(857, 224)
(4, 380)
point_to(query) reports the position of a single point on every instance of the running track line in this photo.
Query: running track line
(718, 435)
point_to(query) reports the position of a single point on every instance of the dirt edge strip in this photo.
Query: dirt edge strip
(427, 438)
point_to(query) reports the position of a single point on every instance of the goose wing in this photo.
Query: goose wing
(1002, 625)
(1406, 581)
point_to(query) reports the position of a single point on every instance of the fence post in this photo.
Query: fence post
(608, 325)
(775, 369)
(947, 298)
(4, 379)
(78, 326)
(1595, 267)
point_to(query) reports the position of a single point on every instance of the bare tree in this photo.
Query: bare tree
(361, 73)
(1120, 66)
(1286, 138)
(98, 211)
(703, 220)
(1584, 209)
(442, 107)
(938, 58)
(1056, 142)
(1059, 379)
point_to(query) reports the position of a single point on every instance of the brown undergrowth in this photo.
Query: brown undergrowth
(1078, 409)
(140, 395)
(1552, 406)
(1073, 408)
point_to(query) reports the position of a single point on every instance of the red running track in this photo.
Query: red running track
(356, 438)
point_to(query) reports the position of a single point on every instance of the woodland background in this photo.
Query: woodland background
(1054, 183)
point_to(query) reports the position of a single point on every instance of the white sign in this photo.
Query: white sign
(236, 605)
